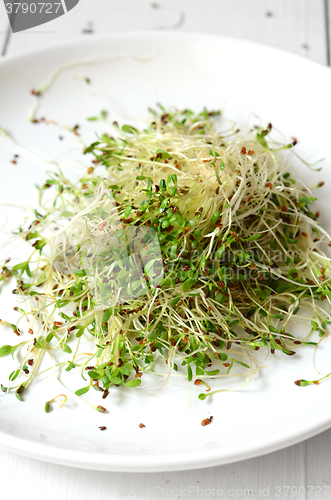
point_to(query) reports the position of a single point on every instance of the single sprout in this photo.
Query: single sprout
(60, 403)
(302, 382)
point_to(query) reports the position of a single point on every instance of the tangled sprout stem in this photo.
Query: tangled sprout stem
(241, 254)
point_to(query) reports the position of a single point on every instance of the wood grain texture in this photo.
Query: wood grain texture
(295, 25)
(5, 31)
(327, 14)
(255, 478)
(298, 26)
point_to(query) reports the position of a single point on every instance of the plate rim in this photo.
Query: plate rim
(159, 462)
(79, 40)
(153, 463)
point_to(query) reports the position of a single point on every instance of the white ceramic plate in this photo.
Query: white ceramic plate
(246, 81)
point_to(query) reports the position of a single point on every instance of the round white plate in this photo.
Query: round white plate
(129, 73)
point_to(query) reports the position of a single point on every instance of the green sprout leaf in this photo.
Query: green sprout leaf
(82, 391)
(133, 383)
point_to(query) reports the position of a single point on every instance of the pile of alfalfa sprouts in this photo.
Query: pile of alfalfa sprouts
(240, 254)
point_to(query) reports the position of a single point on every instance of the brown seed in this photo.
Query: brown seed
(101, 409)
(243, 151)
(142, 426)
(102, 428)
(105, 394)
(197, 381)
(206, 421)
(30, 362)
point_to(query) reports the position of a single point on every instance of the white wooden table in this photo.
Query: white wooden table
(297, 472)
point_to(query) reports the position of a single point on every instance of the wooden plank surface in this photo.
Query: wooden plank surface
(5, 32)
(267, 476)
(295, 25)
(298, 472)
(289, 473)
